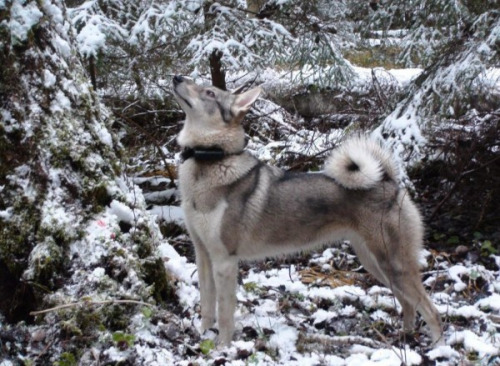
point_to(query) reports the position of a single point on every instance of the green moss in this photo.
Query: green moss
(252, 287)
(97, 198)
(117, 167)
(82, 321)
(117, 317)
(17, 236)
(46, 262)
(206, 346)
(156, 275)
(66, 359)
(142, 237)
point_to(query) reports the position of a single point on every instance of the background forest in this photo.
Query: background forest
(95, 264)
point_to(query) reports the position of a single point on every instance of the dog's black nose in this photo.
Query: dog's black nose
(178, 79)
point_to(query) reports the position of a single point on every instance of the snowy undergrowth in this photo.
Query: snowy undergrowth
(321, 308)
(307, 311)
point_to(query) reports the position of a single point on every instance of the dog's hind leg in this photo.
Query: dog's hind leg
(403, 279)
(206, 283)
(382, 257)
(371, 264)
(412, 295)
(409, 314)
(226, 274)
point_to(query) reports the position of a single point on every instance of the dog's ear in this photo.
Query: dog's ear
(244, 101)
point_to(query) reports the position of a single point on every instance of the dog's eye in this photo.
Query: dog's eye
(210, 93)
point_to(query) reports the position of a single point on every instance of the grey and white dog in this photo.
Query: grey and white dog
(237, 207)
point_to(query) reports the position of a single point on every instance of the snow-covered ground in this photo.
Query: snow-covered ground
(322, 309)
(319, 308)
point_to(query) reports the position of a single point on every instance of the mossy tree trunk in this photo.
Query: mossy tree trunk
(60, 173)
(51, 124)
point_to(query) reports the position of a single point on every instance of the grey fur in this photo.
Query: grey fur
(239, 208)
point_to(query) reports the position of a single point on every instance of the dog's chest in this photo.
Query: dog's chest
(199, 193)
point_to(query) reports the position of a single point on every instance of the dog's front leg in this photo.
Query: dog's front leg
(207, 286)
(226, 273)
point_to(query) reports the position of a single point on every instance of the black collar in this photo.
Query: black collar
(205, 153)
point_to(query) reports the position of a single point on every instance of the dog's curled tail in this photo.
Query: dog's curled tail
(360, 163)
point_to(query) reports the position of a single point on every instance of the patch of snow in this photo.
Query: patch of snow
(91, 39)
(154, 356)
(60, 103)
(178, 265)
(359, 348)
(122, 211)
(22, 18)
(188, 294)
(455, 274)
(401, 76)
(396, 357)
(321, 315)
(348, 311)
(342, 292)
(168, 213)
(160, 196)
(446, 352)
(6, 214)
(473, 342)
(103, 135)
(422, 258)
(491, 302)
(49, 79)
(21, 179)
(358, 359)
(53, 11)
(117, 355)
(61, 45)
(98, 235)
(56, 214)
(97, 274)
(381, 301)
(380, 315)
(468, 311)
(284, 339)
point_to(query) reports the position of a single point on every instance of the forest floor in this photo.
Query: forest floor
(322, 308)
(316, 308)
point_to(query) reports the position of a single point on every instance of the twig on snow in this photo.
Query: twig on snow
(86, 302)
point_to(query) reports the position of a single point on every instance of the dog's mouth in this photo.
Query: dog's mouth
(177, 81)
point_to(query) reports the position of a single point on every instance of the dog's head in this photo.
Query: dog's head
(213, 116)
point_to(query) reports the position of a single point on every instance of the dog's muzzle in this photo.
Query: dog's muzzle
(178, 80)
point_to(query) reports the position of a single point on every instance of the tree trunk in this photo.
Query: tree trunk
(60, 182)
(93, 73)
(217, 70)
(215, 59)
